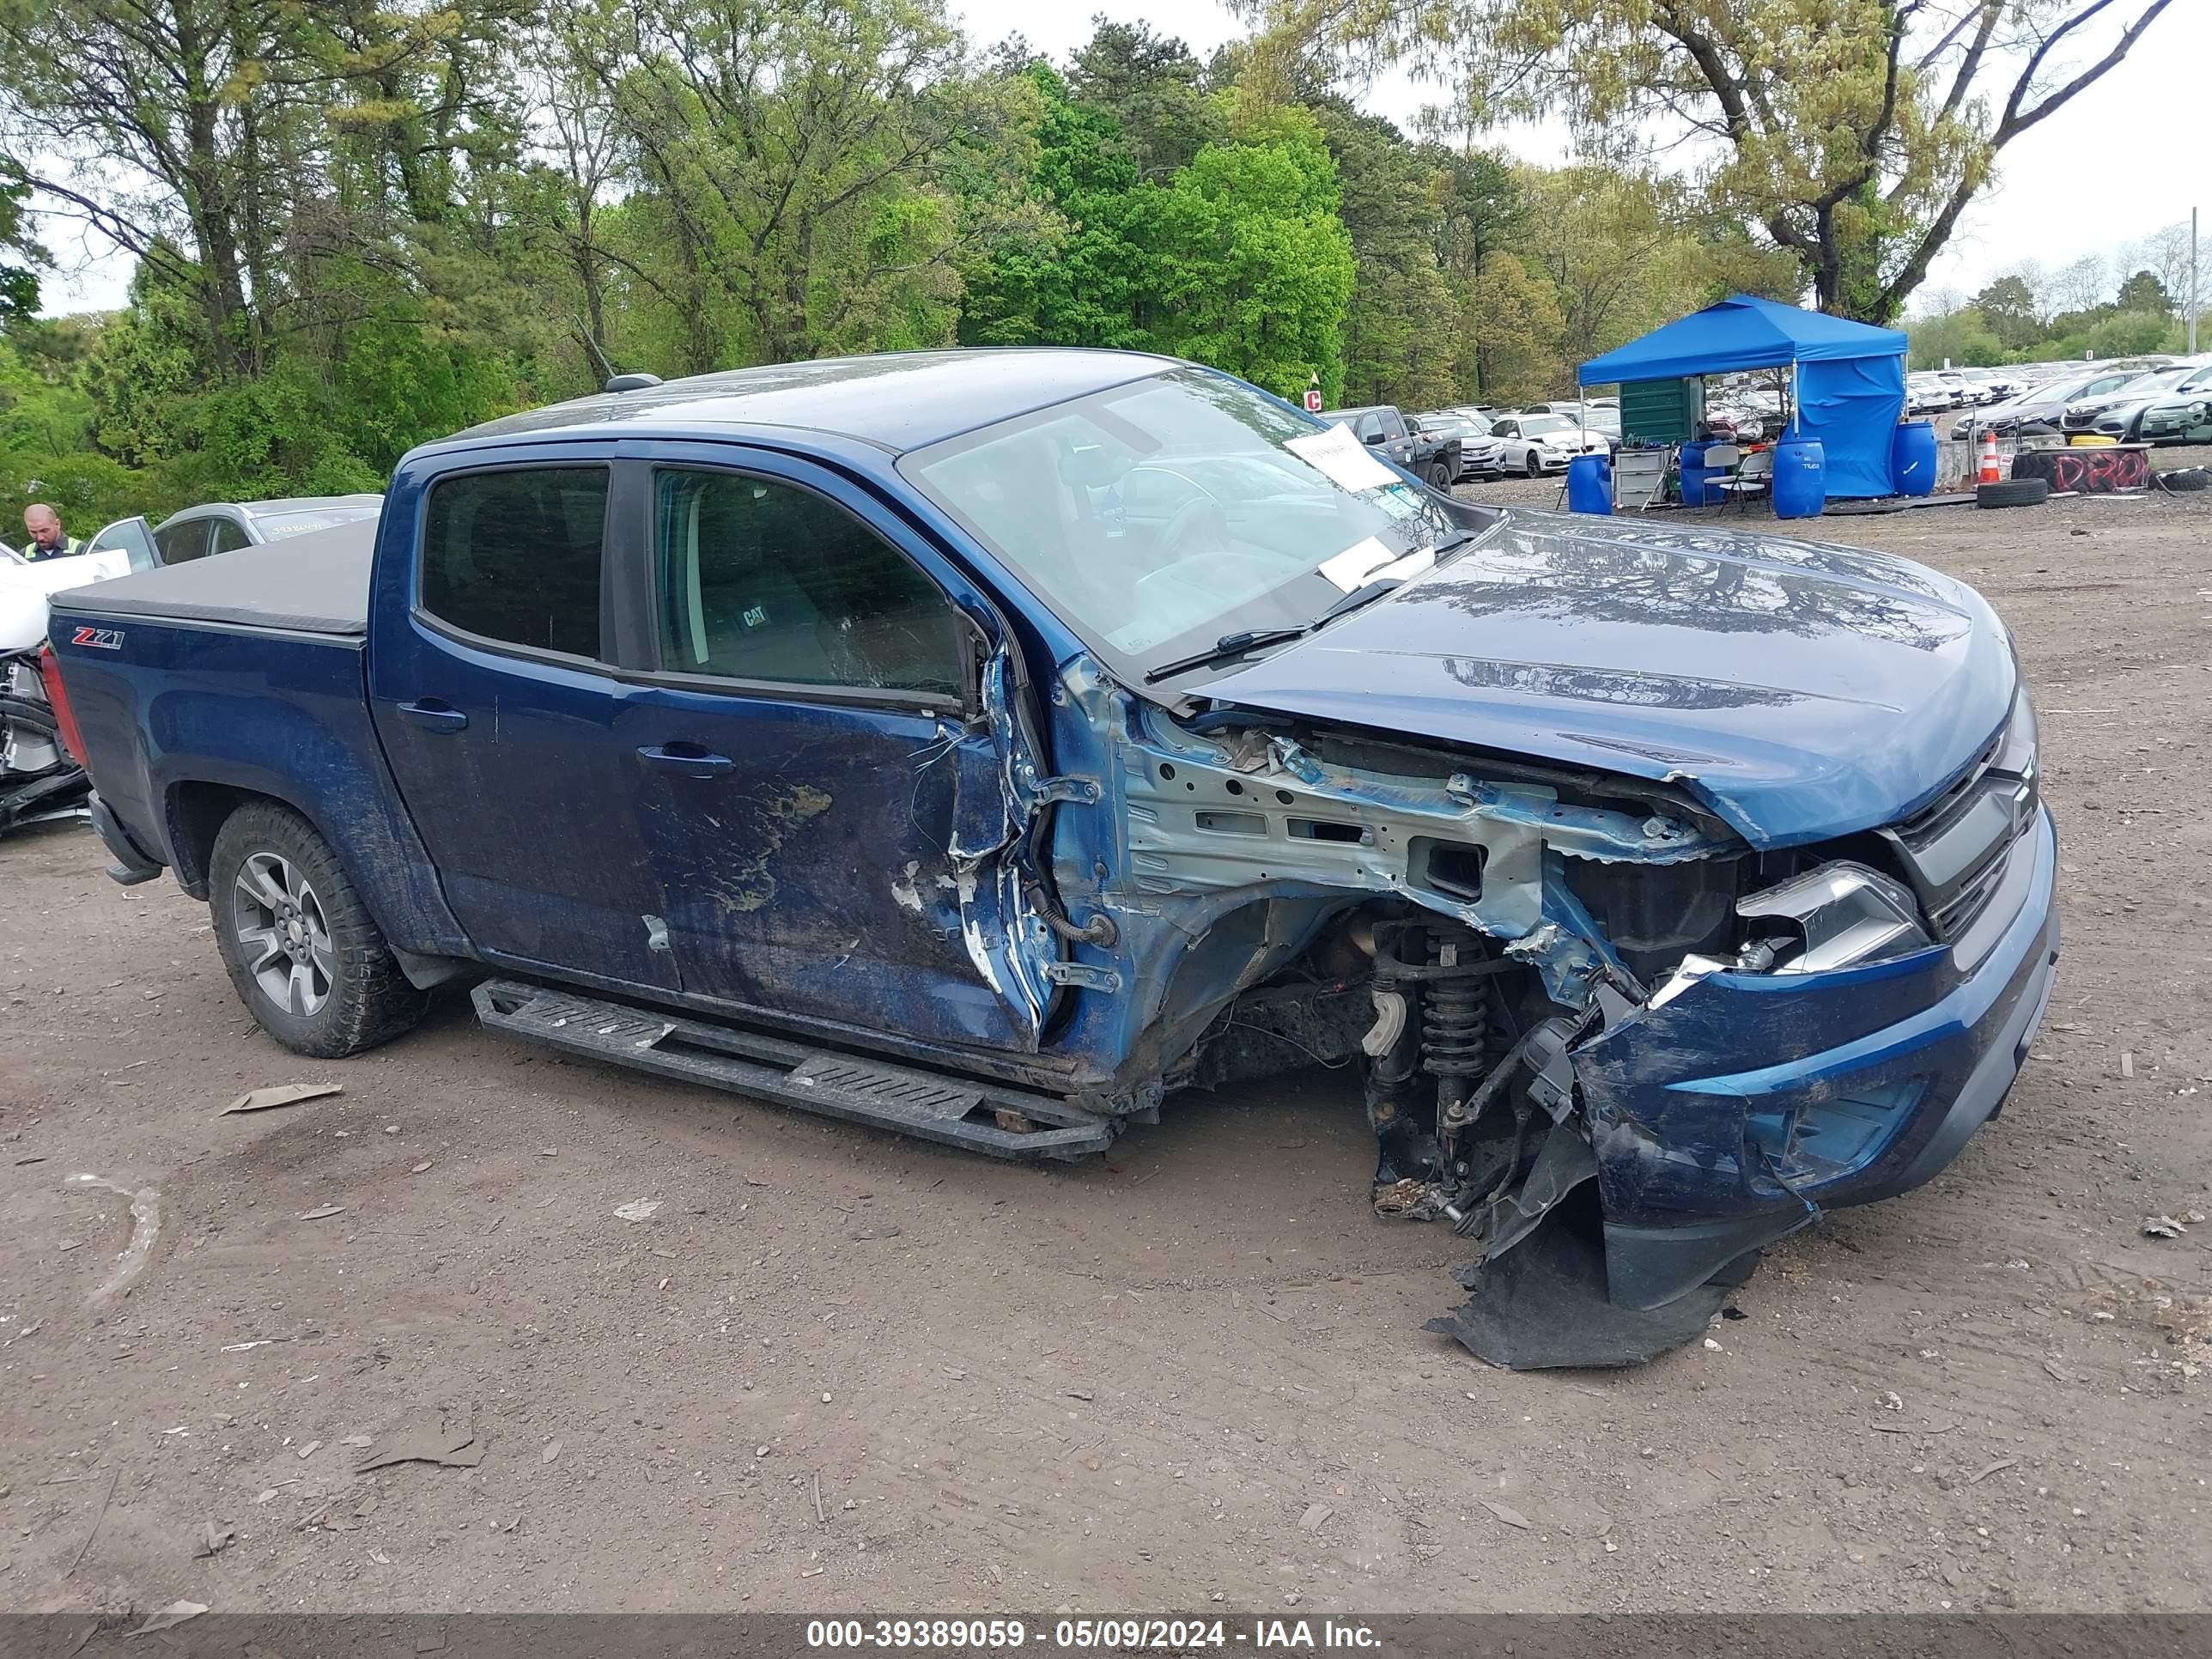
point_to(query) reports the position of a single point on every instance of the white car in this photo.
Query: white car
(25, 584)
(1537, 444)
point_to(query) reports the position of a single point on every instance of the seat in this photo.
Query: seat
(1638, 475)
(1753, 475)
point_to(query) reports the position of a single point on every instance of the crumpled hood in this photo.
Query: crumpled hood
(1802, 689)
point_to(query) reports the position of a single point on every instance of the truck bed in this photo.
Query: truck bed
(312, 584)
(245, 674)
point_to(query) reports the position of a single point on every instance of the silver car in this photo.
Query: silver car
(222, 526)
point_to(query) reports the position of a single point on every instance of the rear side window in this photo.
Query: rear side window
(515, 556)
(180, 542)
(230, 536)
(764, 580)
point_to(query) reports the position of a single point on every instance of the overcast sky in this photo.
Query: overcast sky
(2117, 164)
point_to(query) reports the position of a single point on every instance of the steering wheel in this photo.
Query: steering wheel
(1204, 514)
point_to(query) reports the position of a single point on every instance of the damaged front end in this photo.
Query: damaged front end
(1603, 1036)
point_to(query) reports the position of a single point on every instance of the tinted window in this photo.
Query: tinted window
(515, 556)
(180, 540)
(763, 581)
(1370, 428)
(230, 535)
(1392, 426)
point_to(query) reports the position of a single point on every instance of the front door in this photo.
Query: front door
(821, 798)
(494, 699)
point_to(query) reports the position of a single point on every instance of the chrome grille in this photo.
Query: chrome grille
(1954, 850)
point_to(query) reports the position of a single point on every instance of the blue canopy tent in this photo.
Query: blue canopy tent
(1849, 376)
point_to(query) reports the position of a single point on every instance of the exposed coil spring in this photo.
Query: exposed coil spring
(1454, 1028)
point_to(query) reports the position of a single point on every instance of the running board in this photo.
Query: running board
(953, 1111)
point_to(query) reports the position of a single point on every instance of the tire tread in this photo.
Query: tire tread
(371, 1001)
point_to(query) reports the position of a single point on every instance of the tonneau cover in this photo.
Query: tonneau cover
(317, 583)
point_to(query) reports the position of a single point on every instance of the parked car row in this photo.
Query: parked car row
(1433, 456)
(2167, 404)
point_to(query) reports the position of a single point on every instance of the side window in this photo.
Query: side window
(132, 538)
(515, 556)
(181, 541)
(764, 580)
(1370, 428)
(230, 535)
(1392, 427)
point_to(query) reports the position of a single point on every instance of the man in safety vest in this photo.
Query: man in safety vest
(43, 526)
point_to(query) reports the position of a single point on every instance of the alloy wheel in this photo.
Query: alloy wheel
(284, 934)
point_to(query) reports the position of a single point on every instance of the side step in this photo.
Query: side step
(954, 1111)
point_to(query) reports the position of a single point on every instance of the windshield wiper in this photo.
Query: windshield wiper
(1228, 644)
(1257, 638)
(1365, 594)
(1368, 591)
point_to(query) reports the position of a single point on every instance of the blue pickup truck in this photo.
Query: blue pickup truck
(991, 744)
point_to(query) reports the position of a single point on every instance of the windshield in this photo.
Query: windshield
(276, 526)
(2159, 380)
(1534, 424)
(1157, 516)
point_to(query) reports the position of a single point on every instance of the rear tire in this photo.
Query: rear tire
(301, 950)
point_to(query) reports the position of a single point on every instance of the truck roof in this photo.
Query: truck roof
(895, 400)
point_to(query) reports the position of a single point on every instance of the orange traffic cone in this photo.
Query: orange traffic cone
(1989, 473)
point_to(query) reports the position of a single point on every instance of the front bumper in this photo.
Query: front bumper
(1736, 1112)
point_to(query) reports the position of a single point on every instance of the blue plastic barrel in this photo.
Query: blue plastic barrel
(1801, 478)
(1912, 458)
(1589, 484)
(1694, 472)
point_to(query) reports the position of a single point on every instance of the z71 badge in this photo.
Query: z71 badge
(99, 639)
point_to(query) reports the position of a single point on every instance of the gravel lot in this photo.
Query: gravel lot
(838, 1371)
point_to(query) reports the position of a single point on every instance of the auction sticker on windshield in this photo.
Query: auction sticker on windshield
(1341, 458)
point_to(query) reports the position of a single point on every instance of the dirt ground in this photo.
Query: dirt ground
(838, 1371)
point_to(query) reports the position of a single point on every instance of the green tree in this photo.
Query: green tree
(1154, 91)
(1854, 132)
(2007, 307)
(19, 251)
(1079, 279)
(1962, 339)
(1515, 322)
(1252, 267)
(812, 171)
(1398, 327)
(2144, 292)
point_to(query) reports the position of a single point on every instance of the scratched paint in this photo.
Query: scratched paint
(748, 883)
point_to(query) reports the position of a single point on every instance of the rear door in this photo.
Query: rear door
(823, 785)
(496, 695)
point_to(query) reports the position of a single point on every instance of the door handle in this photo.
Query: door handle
(689, 759)
(434, 716)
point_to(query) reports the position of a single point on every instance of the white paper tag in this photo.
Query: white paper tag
(1349, 568)
(1342, 459)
